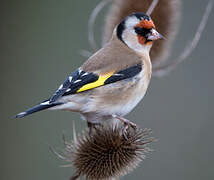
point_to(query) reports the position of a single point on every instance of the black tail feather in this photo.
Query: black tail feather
(39, 107)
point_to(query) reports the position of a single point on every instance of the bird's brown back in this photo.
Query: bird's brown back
(111, 57)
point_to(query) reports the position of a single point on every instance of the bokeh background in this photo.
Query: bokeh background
(40, 43)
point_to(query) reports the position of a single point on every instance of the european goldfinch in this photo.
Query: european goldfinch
(113, 80)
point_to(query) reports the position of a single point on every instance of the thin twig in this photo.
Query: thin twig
(74, 133)
(91, 24)
(152, 7)
(56, 153)
(163, 70)
(92, 20)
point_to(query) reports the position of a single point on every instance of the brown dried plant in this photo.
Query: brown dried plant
(166, 15)
(106, 154)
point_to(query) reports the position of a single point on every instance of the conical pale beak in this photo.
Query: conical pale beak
(154, 35)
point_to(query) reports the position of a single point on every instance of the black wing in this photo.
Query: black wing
(80, 79)
(75, 81)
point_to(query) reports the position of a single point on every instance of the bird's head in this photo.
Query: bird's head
(138, 32)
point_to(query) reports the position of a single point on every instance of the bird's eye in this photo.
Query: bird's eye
(141, 31)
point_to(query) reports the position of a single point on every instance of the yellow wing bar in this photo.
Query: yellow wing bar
(97, 83)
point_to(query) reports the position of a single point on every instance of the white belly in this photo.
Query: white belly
(135, 96)
(118, 99)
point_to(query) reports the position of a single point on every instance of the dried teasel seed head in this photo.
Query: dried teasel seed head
(107, 154)
(166, 16)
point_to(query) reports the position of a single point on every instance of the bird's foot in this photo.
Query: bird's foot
(127, 124)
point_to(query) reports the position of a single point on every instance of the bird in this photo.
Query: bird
(113, 80)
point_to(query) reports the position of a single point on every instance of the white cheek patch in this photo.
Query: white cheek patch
(130, 38)
(131, 22)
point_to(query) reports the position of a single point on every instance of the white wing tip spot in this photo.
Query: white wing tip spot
(21, 114)
(61, 86)
(68, 90)
(45, 103)
(77, 81)
(118, 74)
(79, 71)
(70, 78)
(85, 74)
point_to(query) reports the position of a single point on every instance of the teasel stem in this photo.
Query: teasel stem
(165, 69)
(91, 22)
(152, 7)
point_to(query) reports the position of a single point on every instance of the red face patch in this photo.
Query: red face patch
(141, 39)
(146, 24)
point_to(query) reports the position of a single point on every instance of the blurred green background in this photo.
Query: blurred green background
(39, 47)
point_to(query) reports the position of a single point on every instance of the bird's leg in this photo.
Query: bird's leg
(126, 123)
(92, 126)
